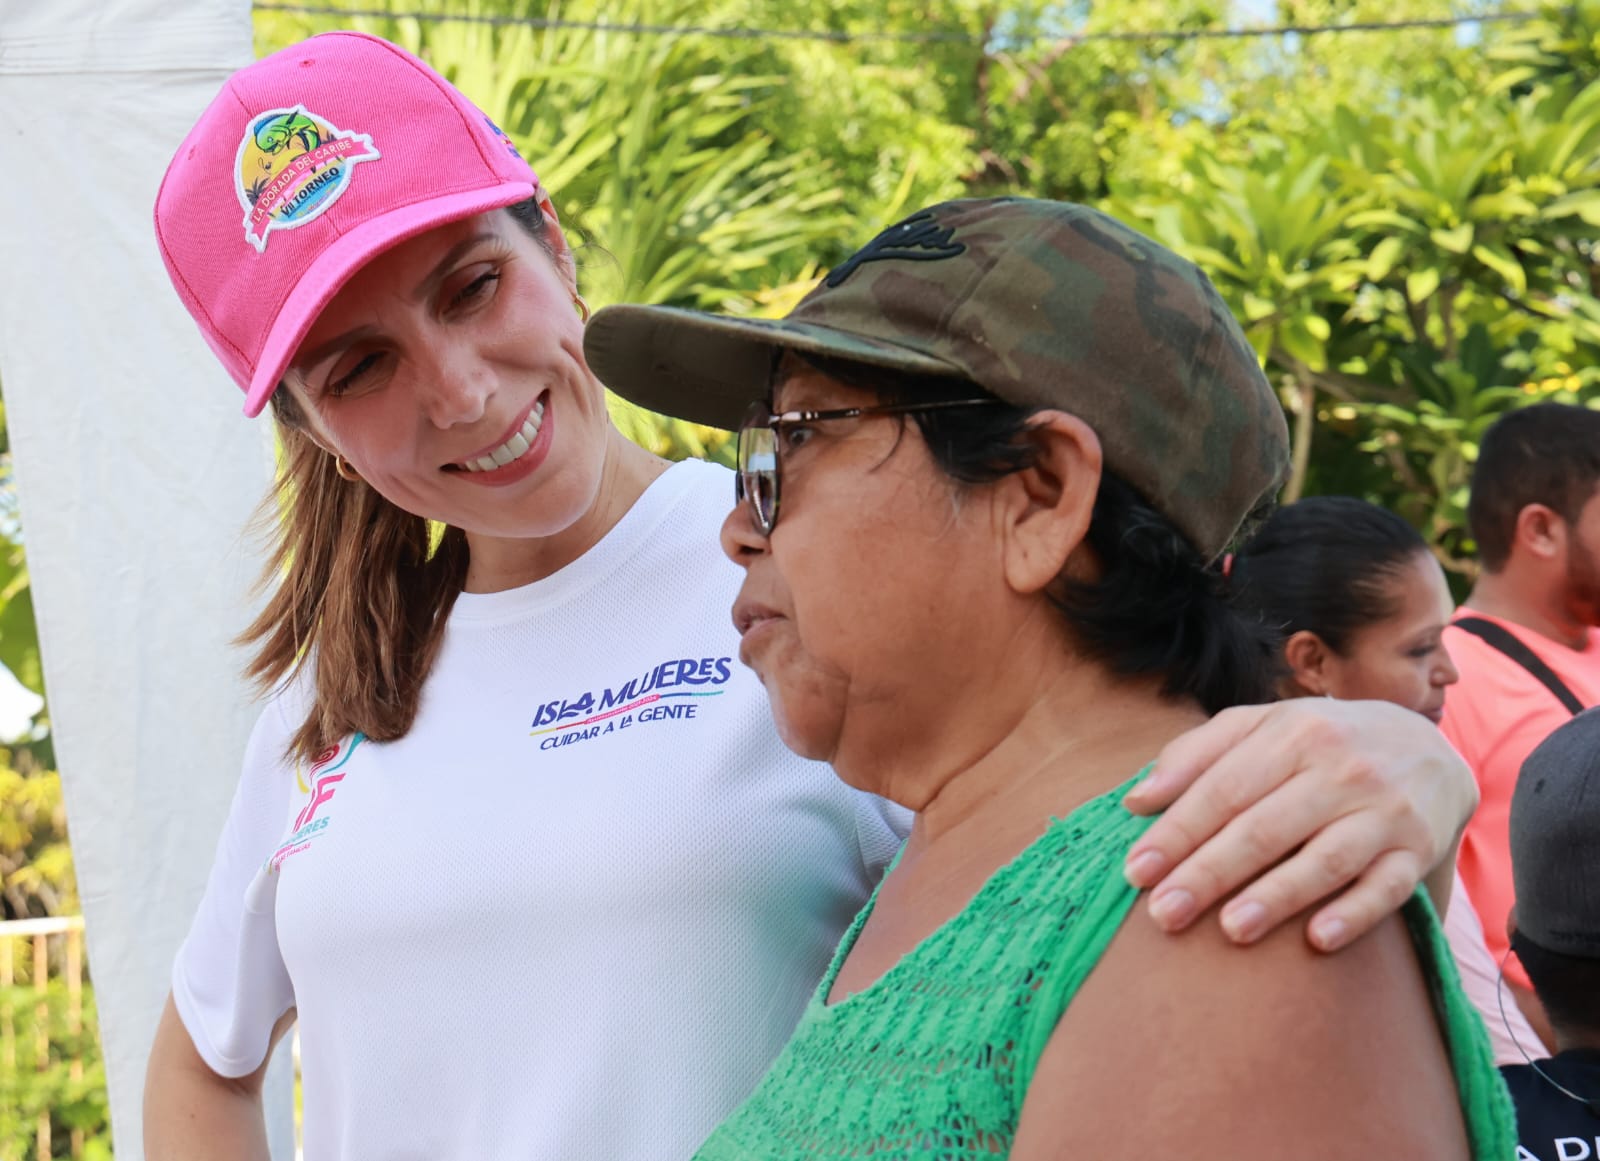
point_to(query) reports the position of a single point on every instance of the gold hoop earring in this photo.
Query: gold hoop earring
(346, 472)
(583, 307)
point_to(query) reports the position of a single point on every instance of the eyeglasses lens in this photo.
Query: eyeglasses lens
(758, 472)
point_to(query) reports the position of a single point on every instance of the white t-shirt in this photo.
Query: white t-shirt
(576, 911)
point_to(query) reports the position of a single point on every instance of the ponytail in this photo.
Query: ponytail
(359, 595)
(1157, 608)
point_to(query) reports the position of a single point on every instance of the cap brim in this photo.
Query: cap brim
(709, 368)
(334, 266)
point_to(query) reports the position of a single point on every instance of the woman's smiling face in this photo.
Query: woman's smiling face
(449, 373)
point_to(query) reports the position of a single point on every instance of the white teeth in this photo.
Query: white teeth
(514, 448)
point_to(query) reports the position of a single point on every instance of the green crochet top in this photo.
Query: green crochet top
(933, 1060)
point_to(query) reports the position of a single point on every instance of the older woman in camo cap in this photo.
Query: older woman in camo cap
(985, 471)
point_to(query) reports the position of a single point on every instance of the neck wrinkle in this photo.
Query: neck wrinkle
(1081, 735)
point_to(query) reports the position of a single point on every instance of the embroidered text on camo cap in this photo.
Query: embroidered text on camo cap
(919, 238)
(292, 165)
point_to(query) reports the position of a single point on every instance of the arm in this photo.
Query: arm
(194, 1114)
(1301, 800)
(231, 992)
(1183, 1046)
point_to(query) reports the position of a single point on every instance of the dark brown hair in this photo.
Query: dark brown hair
(1327, 564)
(360, 589)
(1547, 454)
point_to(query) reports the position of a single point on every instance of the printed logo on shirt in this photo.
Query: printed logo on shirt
(1566, 1149)
(327, 772)
(665, 693)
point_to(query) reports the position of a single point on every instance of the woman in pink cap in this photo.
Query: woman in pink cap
(515, 841)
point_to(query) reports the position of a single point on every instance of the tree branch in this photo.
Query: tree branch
(1305, 422)
(1345, 388)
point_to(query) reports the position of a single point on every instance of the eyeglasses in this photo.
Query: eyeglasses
(760, 463)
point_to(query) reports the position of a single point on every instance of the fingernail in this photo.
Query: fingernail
(1172, 909)
(1145, 868)
(1146, 787)
(1328, 934)
(1245, 922)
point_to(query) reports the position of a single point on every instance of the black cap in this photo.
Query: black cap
(1555, 840)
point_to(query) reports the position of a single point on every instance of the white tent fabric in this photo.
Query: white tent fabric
(136, 476)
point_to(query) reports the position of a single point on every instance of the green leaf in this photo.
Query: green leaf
(1503, 263)
(1388, 218)
(1421, 284)
(1297, 338)
(1584, 205)
(1385, 255)
(1457, 241)
(1504, 206)
(1257, 308)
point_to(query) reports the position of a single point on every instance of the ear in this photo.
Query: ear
(1511, 922)
(1308, 658)
(1541, 532)
(311, 427)
(556, 240)
(1046, 508)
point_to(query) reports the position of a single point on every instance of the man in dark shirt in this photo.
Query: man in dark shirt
(1555, 931)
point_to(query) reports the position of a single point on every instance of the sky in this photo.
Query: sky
(17, 707)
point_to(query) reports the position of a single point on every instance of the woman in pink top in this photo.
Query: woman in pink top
(1362, 605)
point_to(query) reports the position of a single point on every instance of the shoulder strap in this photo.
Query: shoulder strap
(1507, 642)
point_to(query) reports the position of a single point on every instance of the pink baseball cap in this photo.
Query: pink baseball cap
(308, 164)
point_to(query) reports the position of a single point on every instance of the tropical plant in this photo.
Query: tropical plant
(1407, 272)
(36, 876)
(67, 1087)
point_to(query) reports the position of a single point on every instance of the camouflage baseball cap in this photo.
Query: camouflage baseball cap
(1043, 304)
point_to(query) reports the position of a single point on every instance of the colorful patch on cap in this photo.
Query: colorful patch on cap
(292, 166)
(500, 135)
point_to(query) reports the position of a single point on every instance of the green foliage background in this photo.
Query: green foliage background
(1406, 223)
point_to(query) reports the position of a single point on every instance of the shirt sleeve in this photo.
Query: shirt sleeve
(1510, 1034)
(881, 828)
(229, 982)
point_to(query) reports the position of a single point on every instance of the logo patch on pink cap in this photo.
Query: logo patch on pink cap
(292, 166)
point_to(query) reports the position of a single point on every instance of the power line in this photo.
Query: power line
(733, 33)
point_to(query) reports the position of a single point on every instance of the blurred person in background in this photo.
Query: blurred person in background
(1555, 932)
(1362, 605)
(1523, 642)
